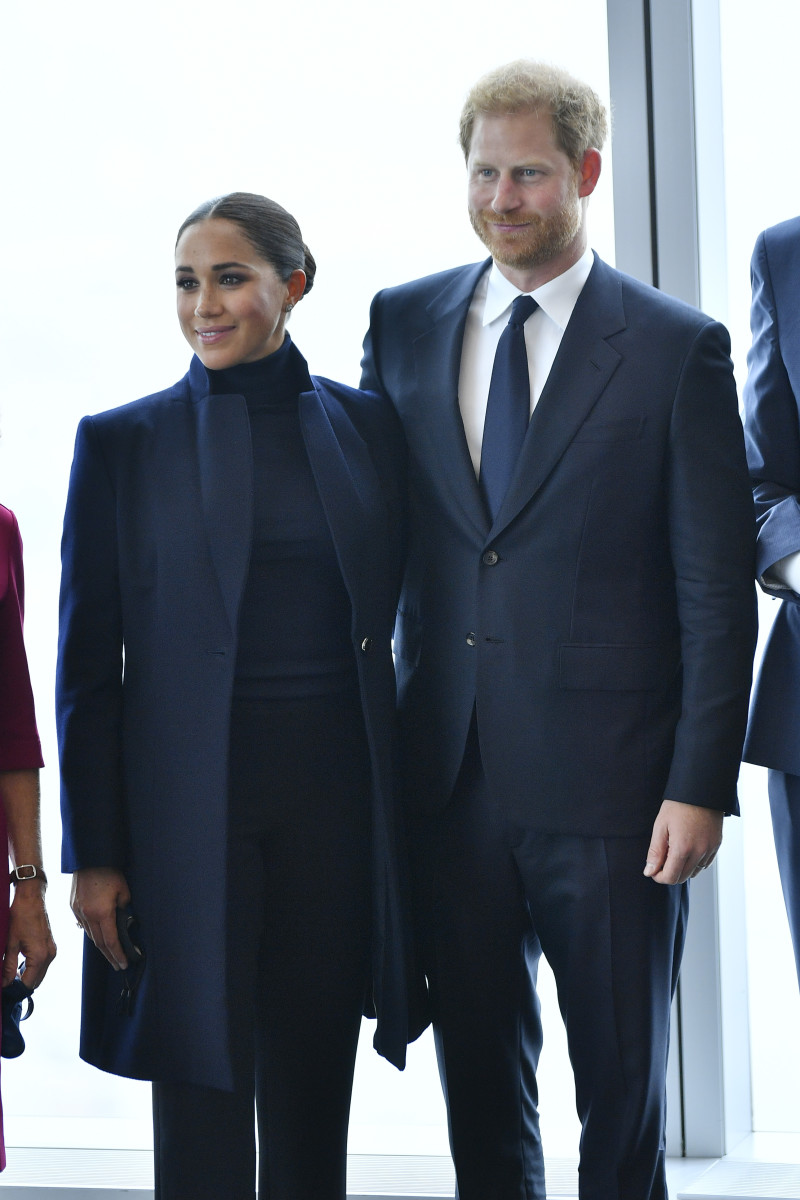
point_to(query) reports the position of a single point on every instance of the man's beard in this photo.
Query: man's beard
(544, 238)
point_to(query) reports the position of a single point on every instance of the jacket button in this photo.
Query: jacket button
(366, 645)
(491, 557)
(471, 639)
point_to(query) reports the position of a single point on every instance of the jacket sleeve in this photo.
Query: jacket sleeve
(19, 740)
(712, 543)
(772, 428)
(90, 666)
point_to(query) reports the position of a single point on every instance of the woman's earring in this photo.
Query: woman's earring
(288, 307)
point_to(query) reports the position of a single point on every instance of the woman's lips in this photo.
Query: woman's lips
(209, 336)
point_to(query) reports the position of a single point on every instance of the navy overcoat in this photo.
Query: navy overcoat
(155, 555)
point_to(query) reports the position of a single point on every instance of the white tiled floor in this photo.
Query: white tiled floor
(763, 1167)
(69, 1174)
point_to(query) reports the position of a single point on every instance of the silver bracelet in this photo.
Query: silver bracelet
(31, 871)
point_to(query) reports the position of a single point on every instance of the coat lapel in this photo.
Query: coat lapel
(438, 421)
(225, 459)
(583, 366)
(343, 471)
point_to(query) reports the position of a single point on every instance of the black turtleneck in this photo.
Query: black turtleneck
(294, 620)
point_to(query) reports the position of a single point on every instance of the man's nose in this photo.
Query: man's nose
(506, 195)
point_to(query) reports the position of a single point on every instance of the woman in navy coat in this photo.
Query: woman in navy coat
(231, 560)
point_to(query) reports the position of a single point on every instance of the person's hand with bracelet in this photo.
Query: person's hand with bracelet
(29, 935)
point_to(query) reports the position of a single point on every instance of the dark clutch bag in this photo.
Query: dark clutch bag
(14, 996)
(128, 931)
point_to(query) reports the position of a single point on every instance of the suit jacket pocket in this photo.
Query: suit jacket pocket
(618, 668)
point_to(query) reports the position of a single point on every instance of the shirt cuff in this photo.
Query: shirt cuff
(785, 573)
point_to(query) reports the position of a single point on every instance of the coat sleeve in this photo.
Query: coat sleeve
(90, 666)
(712, 543)
(772, 428)
(19, 740)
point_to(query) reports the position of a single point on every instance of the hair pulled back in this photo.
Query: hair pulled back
(272, 231)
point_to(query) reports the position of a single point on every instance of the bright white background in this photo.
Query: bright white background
(116, 124)
(118, 120)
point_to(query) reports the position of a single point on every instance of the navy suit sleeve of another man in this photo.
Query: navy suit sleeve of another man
(772, 432)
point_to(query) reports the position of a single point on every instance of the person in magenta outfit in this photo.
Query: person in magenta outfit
(24, 928)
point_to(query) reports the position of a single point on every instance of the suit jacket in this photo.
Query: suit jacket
(772, 432)
(155, 555)
(603, 627)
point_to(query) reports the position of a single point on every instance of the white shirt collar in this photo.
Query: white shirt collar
(556, 298)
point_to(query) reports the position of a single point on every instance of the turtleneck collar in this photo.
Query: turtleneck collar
(276, 379)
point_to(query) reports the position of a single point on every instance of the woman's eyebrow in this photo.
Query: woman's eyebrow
(218, 267)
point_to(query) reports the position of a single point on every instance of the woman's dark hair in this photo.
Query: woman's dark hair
(271, 230)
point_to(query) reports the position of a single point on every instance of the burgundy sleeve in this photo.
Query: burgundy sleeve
(19, 739)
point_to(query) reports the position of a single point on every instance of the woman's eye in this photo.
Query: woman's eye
(231, 280)
(186, 285)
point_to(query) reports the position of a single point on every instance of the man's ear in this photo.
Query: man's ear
(589, 172)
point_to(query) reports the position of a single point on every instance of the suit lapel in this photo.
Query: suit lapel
(225, 459)
(583, 366)
(437, 421)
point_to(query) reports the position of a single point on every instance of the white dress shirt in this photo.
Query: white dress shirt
(785, 573)
(487, 318)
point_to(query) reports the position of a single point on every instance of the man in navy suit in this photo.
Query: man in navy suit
(574, 643)
(772, 431)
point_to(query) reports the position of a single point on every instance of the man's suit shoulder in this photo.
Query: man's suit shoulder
(426, 286)
(783, 235)
(776, 260)
(410, 301)
(643, 301)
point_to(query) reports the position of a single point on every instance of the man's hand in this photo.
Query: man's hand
(97, 893)
(685, 841)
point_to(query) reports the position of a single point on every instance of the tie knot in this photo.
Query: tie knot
(521, 309)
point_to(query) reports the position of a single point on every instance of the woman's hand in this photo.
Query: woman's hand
(28, 927)
(28, 935)
(97, 893)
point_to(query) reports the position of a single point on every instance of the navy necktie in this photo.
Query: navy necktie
(508, 407)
